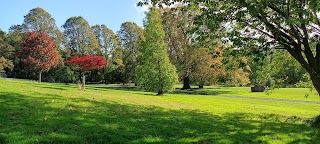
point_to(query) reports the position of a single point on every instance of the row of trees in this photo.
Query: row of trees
(291, 25)
(167, 50)
(78, 38)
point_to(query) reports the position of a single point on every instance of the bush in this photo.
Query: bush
(270, 83)
(65, 75)
(316, 122)
(305, 82)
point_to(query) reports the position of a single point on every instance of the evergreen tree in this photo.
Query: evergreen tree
(155, 72)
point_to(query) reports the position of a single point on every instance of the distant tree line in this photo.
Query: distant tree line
(155, 57)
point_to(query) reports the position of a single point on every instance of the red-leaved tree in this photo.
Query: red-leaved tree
(87, 64)
(38, 52)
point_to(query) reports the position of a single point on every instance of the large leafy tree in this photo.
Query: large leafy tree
(81, 39)
(108, 41)
(14, 37)
(236, 67)
(130, 35)
(155, 72)
(6, 52)
(87, 64)
(37, 20)
(40, 20)
(39, 52)
(112, 50)
(292, 25)
(206, 68)
(179, 42)
(285, 70)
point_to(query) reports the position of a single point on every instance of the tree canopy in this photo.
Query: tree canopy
(81, 39)
(39, 52)
(155, 72)
(86, 64)
(41, 21)
(291, 25)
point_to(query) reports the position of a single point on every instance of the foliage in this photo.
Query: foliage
(259, 61)
(235, 65)
(65, 75)
(6, 53)
(305, 82)
(112, 51)
(41, 21)
(38, 52)
(205, 69)
(88, 63)
(180, 43)
(291, 25)
(155, 72)
(270, 82)
(5, 63)
(113, 73)
(20, 70)
(130, 35)
(108, 41)
(81, 39)
(286, 71)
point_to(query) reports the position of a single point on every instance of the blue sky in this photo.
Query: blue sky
(109, 12)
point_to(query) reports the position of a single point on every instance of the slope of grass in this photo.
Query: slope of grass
(54, 113)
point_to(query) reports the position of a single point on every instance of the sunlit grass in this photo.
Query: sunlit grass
(56, 113)
(281, 93)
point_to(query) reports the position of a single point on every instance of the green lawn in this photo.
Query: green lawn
(280, 93)
(55, 113)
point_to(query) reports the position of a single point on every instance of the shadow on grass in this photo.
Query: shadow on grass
(108, 87)
(54, 86)
(50, 87)
(206, 91)
(194, 91)
(28, 119)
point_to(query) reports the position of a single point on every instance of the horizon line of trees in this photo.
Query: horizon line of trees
(196, 62)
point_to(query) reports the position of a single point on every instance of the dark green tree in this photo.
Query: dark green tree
(65, 75)
(155, 72)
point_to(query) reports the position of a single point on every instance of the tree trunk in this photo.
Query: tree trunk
(83, 82)
(160, 92)
(316, 82)
(39, 76)
(311, 69)
(200, 86)
(186, 83)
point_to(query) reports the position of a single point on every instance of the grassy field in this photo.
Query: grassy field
(55, 113)
(280, 93)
